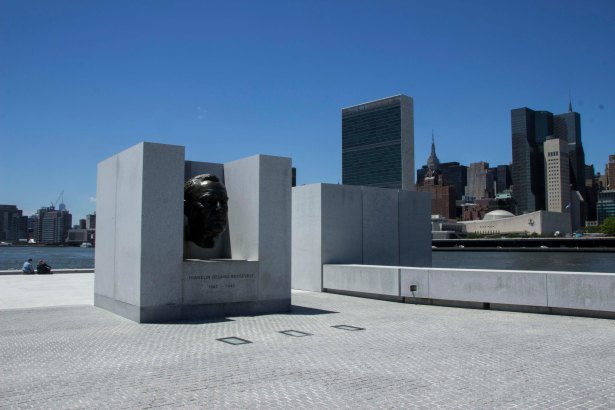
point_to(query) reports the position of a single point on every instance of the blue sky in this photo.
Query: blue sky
(83, 80)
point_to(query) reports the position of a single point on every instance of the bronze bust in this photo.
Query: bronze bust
(205, 209)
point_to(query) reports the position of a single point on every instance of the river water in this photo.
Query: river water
(83, 258)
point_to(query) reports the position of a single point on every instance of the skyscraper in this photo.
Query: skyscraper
(13, 225)
(567, 127)
(378, 143)
(442, 195)
(480, 181)
(503, 179)
(529, 130)
(609, 173)
(52, 225)
(557, 179)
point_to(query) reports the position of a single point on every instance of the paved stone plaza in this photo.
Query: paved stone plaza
(407, 356)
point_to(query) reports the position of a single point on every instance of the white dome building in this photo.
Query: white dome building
(497, 214)
(540, 222)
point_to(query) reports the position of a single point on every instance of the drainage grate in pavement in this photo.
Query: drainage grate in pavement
(295, 333)
(348, 327)
(234, 340)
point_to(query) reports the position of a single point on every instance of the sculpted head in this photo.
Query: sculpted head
(205, 209)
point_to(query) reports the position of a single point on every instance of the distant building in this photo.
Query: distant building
(567, 127)
(378, 143)
(480, 181)
(606, 205)
(79, 236)
(530, 129)
(480, 207)
(442, 195)
(557, 175)
(503, 178)
(453, 173)
(609, 173)
(52, 225)
(81, 224)
(90, 221)
(591, 190)
(539, 222)
(13, 225)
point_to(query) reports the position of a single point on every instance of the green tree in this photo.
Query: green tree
(608, 227)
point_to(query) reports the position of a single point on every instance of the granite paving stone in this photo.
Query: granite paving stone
(409, 356)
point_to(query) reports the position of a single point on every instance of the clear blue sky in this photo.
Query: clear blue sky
(83, 80)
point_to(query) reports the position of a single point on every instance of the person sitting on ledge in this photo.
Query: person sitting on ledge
(27, 268)
(42, 267)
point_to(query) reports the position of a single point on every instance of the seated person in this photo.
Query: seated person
(42, 267)
(27, 267)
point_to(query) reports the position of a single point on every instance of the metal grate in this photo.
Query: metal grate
(295, 333)
(348, 327)
(234, 340)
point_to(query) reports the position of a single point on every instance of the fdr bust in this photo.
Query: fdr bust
(205, 209)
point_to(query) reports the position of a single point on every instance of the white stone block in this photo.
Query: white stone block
(591, 291)
(380, 226)
(243, 188)
(414, 229)
(140, 272)
(219, 281)
(380, 280)
(274, 236)
(306, 231)
(104, 265)
(490, 286)
(342, 226)
(418, 277)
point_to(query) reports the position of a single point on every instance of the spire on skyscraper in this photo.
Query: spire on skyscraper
(569, 102)
(433, 162)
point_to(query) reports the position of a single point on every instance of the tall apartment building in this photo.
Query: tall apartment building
(52, 225)
(480, 181)
(609, 173)
(557, 175)
(378, 143)
(13, 225)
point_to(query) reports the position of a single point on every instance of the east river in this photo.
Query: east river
(570, 261)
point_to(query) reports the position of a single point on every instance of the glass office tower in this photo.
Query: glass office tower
(378, 143)
(529, 130)
(568, 128)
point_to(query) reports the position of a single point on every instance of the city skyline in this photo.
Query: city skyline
(81, 81)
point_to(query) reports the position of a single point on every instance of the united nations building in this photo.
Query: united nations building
(378, 143)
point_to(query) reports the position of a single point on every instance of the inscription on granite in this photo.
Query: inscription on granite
(220, 281)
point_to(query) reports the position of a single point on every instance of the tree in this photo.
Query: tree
(608, 227)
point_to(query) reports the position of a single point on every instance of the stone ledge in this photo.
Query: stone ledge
(567, 293)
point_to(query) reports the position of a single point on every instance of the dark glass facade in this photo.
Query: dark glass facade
(606, 205)
(372, 144)
(452, 173)
(529, 130)
(503, 178)
(568, 128)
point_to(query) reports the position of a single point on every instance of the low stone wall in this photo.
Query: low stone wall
(19, 272)
(550, 292)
